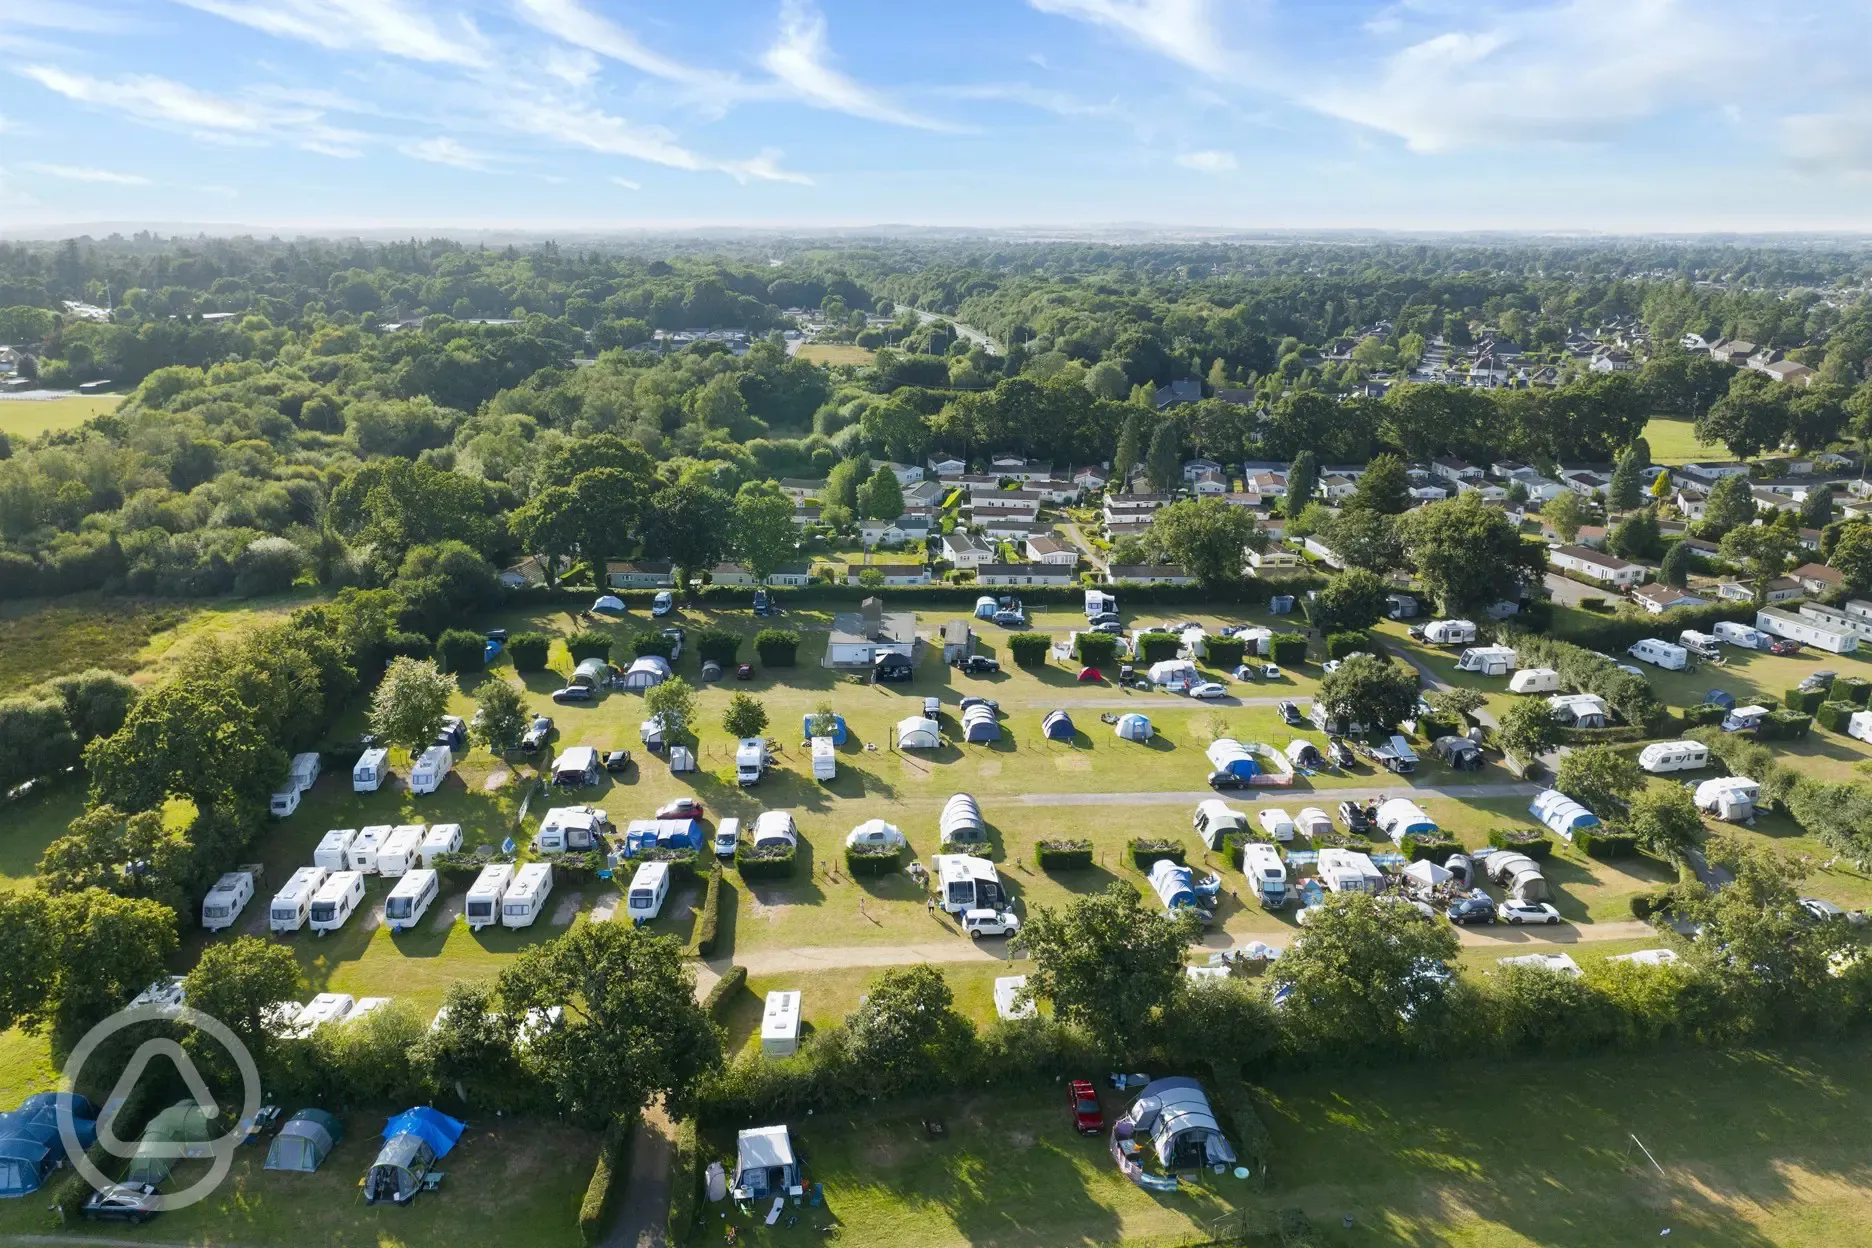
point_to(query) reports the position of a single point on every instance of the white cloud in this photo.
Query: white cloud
(1209, 162)
(579, 125)
(1838, 142)
(78, 173)
(572, 22)
(627, 184)
(442, 150)
(1183, 30)
(798, 59)
(216, 118)
(390, 26)
(1043, 98)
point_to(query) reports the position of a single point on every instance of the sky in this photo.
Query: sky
(1600, 115)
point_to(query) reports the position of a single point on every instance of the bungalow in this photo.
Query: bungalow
(531, 571)
(977, 482)
(859, 637)
(945, 466)
(1242, 498)
(906, 474)
(1274, 528)
(1454, 470)
(1584, 483)
(1210, 485)
(1714, 471)
(1011, 528)
(799, 489)
(1273, 559)
(1178, 392)
(1692, 502)
(1149, 574)
(924, 494)
(1336, 488)
(1266, 484)
(1539, 489)
(965, 550)
(1657, 599)
(1054, 491)
(1487, 491)
(645, 574)
(1774, 498)
(1050, 550)
(1809, 539)
(790, 576)
(1781, 589)
(1428, 493)
(731, 574)
(905, 528)
(1091, 477)
(804, 516)
(1133, 507)
(1006, 502)
(1023, 574)
(1599, 566)
(895, 575)
(1700, 546)
(1198, 467)
(1732, 351)
(1818, 578)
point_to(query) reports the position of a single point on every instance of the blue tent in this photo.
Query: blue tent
(1561, 813)
(414, 1141)
(1716, 697)
(25, 1160)
(838, 727)
(437, 1129)
(1226, 754)
(645, 834)
(30, 1147)
(1171, 881)
(1057, 726)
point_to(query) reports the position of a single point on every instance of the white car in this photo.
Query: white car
(1527, 912)
(725, 842)
(1208, 689)
(980, 923)
(663, 603)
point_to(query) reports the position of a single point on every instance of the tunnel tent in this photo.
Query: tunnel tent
(304, 1142)
(1057, 726)
(181, 1131)
(1230, 755)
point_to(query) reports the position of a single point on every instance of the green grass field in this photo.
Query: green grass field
(28, 418)
(1674, 441)
(835, 353)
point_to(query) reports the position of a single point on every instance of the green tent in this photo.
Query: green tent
(304, 1142)
(180, 1131)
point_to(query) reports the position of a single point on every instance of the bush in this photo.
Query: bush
(1806, 701)
(462, 651)
(1253, 1146)
(685, 1183)
(1650, 902)
(1834, 716)
(1604, 842)
(1338, 645)
(401, 645)
(458, 869)
(1225, 652)
(1530, 841)
(1156, 647)
(872, 859)
(1624, 734)
(1288, 649)
(589, 643)
(648, 643)
(1063, 855)
(1704, 715)
(1594, 603)
(608, 1175)
(718, 645)
(1143, 851)
(777, 647)
(684, 864)
(1030, 649)
(1435, 848)
(1097, 649)
(528, 651)
(579, 870)
(732, 981)
(775, 862)
(1853, 689)
(710, 921)
(1784, 726)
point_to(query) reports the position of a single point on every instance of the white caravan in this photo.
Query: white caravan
(334, 849)
(648, 889)
(283, 803)
(1262, 864)
(1742, 635)
(304, 771)
(293, 904)
(336, 900)
(371, 770)
(427, 775)
(780, 1024)
(1534, 680)
(222, 907)
(965, 882)
(750, 760)
(485, 895)
(1661, 653)
(1450, 632)
(441, 838)
(362, 856)
(1487, 660)
(401, 850)
(824, 759)
(1664, 756)
(532, 885)
(410, 899)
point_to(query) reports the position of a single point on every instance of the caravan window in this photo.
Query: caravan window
(482, 909)
(324, 911)
(642, 898)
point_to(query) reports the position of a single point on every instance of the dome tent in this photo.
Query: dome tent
(608, 602)
(304, 1142)
(1134, 727)
(917, 733)
(414, 1141)
(1057, 726)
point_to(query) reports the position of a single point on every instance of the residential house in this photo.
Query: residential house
(1584, 483)
(1020, 504)
(1428, 493)
(1054, 491)
(1091, 477)
(945, 466)
(1050, 550)
(859, 637)
(1184, 390)
(1240, 396)
(965, 550)
(1242, 498)
(731, 574)
(1454, 470)
(1818, 579)
(1210, 485)
(1732, 351)
(1488, 491)
(1274, 528)
(1658, 598)
(644, 574)
(1133, 508)
(1598, 565)
(531, 571)
(1149, 574)
(977, 482)
(1791, 372)
(1010, 528)
(1781, 589)
(1809, 539)
(906, 474)
(1700, 546)
(1713, 471)
(790, 576)
(1692, 502)
(1507, 469)
(1199, 467)
(904, 528)
(1762, 357)
(894, 575)
(1273, 559)
(1023, 574)
(804, 516)
(924, 495)
(1266, 483)
(799, 489)
(1611, 360)
(1336, 489)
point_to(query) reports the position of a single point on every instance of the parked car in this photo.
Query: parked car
(763, 604)
(663, 603)
(1088, 1118)
(973, 699)
(1222, 781)
(1106, 617)
(1528, 912)
(1339, 752)
(1782, 645)
(978, 664)
(496, 634)
(675, 635)
(725, 840)
(744, 672)
(617, 760)
(573, 693)
(122, 1202)
(1355, 817)
(1821, 911)
(1010, 619)
(1291, 714)
(681, 808)
(1472, 910)
(1208, 689)
(1112, 627)
(980, 923)
(536, 734)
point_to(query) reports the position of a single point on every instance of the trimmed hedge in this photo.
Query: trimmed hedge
(872, 859)
(1603, 842)
(1144, 851)
(1063, 855)
(710, 921)
(1624, 734)
(648, 643)
(1249, 591)
(1834, 716)
(608, 1176)
(1853, 689)
(1806, 701)
(1097, 649)
(528, 651)
(462, 651)
(777, 647)
(1030, 649)
(1784, 726)
(1338, 645)
(1436, 849)
(718, 645)
(1157, 647)
(1254, 1148)
(1704, 715)
(589, 643)
(776, 862)
(1535, 844)
(1288, 649)
(685, 1183)
(1650, 902)
(1616, 633)
(733, 980)
(1225, 652)
(400, 645)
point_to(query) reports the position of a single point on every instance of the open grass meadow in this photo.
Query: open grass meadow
(28, 418)
(836, 353)
(1673, 440)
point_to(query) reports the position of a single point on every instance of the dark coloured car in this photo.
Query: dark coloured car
(1472, 910)
(763, 605)
(978, 664)
(617, 760)
(1223, 781)
(1356, 818)
(744, 672)
(1339, 752)
(536, 734)
(572, 693)
(496, 634)
(1291, 714)
(1106, 617)
(1088, 1118)
(121, 1202)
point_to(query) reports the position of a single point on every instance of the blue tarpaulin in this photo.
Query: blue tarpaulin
(433, 1127)
(838, 728)
(643, 834)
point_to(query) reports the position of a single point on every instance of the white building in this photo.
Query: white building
(1598, 565)
(1807, 630)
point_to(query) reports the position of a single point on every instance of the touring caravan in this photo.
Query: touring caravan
(1731, 798)
(1348, 871)
(483, 907)
(750, 760)
(362, 856)
(223, 905)
(293, 904)
(532, 885)
(965, 882)
(1534, 680)
(401, 850)
(1487, 660)
(648, 889)
(576, 767)
(780, 1024)
(427, 774)
(283, 803)
(334, 849)
(304, 771)
(824, 759)
(372, 769)
(1579, 710)
(1663, 756)
(335, 901)
(1741, 635)
(410, 899)
(441, 838)
(1859, 726)
(1660, 653)
(1450, 632)
(1262, 864)
(571, 829)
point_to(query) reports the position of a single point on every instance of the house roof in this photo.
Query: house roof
(1022, 569)
(654, 567)
(1665, 595)
(1599, 558)
(1045, 545)
(1818, 572)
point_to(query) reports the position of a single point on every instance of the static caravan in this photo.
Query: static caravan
(284, 802)
(824, 759)
(335, 901)
(526, 898)
(293, 904)
(1450, 632)
(1664, 756)
(1262, 864)
(1731, 798)
(1741, 635)
(371, 770)
(427, 774)
(334, 849)
(1348, 871)
(648, 890)
(485, 895)
(441, 838)
(965, 882)
(1660, 653)
(410, 899)
(222, 907)
(1007, 990)
(1807, 631)
(1487, 660)
(362, 856)
(780, 1024)
(1534, 680)
(401, 850)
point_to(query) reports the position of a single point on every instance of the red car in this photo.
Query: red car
(681, 808)
(1781, 645)
(1088, 1118)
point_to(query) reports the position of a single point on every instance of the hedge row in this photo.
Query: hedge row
(777, 647)
(1063, 855)
(1254, 1148)
(399, 645)
(1623, 734)
(1250, 591)
(1436, 849)
(733, 980)
(1225, 652)
(529, 651)
(710, 922)
(1288, 649)
(462, 651)
(1604, 842)
(718, 645)
(1144, 851)
(1704, 715)
(652, 642)
(1096, 649)
(1338, 645)
(872, 859)
(1835, 716)
(685, 1184)
(1536, 845)
(1806, 701)
(1157, 647)
(589, 644)
(1784, 726)
(775, 862)
(1853, 689)
(1650, 902)
(1030, 649)
(1617, 633)
(608, 1175)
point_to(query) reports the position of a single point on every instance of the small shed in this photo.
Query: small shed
(780, 1024)
(304, 1142)
(681, 760)
(980, 725)
(414, 1141)
(917, 733)
(1057, 726)
(958, 639)
(1134, 727)
(646, 673)
(962, 821)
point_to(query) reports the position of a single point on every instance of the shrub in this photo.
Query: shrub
(1097, 649)
(458, 869)
(1650, 902)
(684, 864)
(1029, 649)
(401, 645)
(718, 645)
(1530, 841)
(774, 862)
(1338, 645)
(583, 869)
(732, 981)
(461, 651)
(685, 1183)
(1805, 701)
(1853, 689)
(1595, 603)
(1288, 649)
(1063, 855)
(1784, 726)
(1156, 647)
(777, 647)
(1143, 851)
(608, 1175)
(1435, 848)
(1226, 652)
(528, 651)
(1604, 842)
(588, 643)
(1834, 716)
(872, 859)
(1624, 734)
(1704, 715)
(710, 921)
(648, 643)
(1253, 1146)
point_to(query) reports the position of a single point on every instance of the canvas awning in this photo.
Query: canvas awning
(1428, 873)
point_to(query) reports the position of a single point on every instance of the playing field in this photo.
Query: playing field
(28, 418)
(1673, 441)
(835, 353)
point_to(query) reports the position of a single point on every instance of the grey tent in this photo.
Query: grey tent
(979, 724)
(1174, 1115)
(304, 1142)
(414, 1141)
(178, 1132)
(962, 821)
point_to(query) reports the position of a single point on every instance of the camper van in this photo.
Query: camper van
(750, 760)
(410, 899)
(1098, 602)
(372, 769)
(965, 882)
(292, 904)
(824, 759)
(335, 901)
(648, 889)
(334, 849)
(1703, 645)
(1262, 864)
(223, 905)
(1487, 660)
(1741, 635)
(1662, 756)
(362, 856)
(532, 885)
(1215, 819)
(1449, 632)
(1534, 680)
(283, 803)
(426, 776)
(1661, 654)
(304, 771)
(485, 895)
(780, 1024)
(401, 850)
(441, 838)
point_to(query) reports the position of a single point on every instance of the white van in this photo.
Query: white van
(362, 856)
(222, 907)
(336, 900)
(1703, 645)
(1262, 864)
(824, 759)
(1662, 653)
(371, 770)
(1276, 822)
(727, 837)
(1663, 756)
(410, 899)
(441, 838)
(304, 772)
(965, 882)
(532, 885)
(334, 849)
(648, 888)
(291, 904)
(485, 895)
(1859, 726)
(1742, 635)
(427, 774)
(401, 850)
(283, 803)
(1534, 680)
(750, 760)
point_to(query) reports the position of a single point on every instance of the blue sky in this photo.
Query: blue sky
(1671, 115)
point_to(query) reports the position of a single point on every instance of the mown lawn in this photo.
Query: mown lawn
(1673, 440)
(836, 353)
(28, 418)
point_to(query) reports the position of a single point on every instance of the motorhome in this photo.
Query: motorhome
(1703, 645)
(824, 759)
(571, 829)
(293, 904)
(303, 773)
(336, 900)
(401, 850)
(410, 899)
(648, 889)
(435, 763)
(362, 856)
(1666, 756)
(1487, 660)
(441, 838)
(222, 907)
(1215, 819)
(965, 882)
(1449, 632)
(532, 885)
(371, 770)
(327, 1007)
(1741, 635)
(750, 760)
(780, 1024)
(1262, 864)
(1534, 680)
(1660, 653)
(283, 803)
(1098, 602)
(334, 849)
(483, 906)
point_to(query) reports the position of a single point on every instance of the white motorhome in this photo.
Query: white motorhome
(337, 898)
(1741, 635)
(965, 882)
(334, 849)
(485, 895)
(1703, 645)
(571, 829)
(824, 759)
(1262, 864)
(1660, 653)
(649, 887)
(1665, 756)
(1487, 660)
(441, 838)
(293, 904)
(401, 850)
(222, 907)
(304, 771)
(780, 1024)
(1098, 602)
(283, 803)
(435, 763)
(1348, 871)
(526, 898)
(750, 760)
(362, 855)
(1450, 632)
(1534, 680)
(371, 770)
(410, 899)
